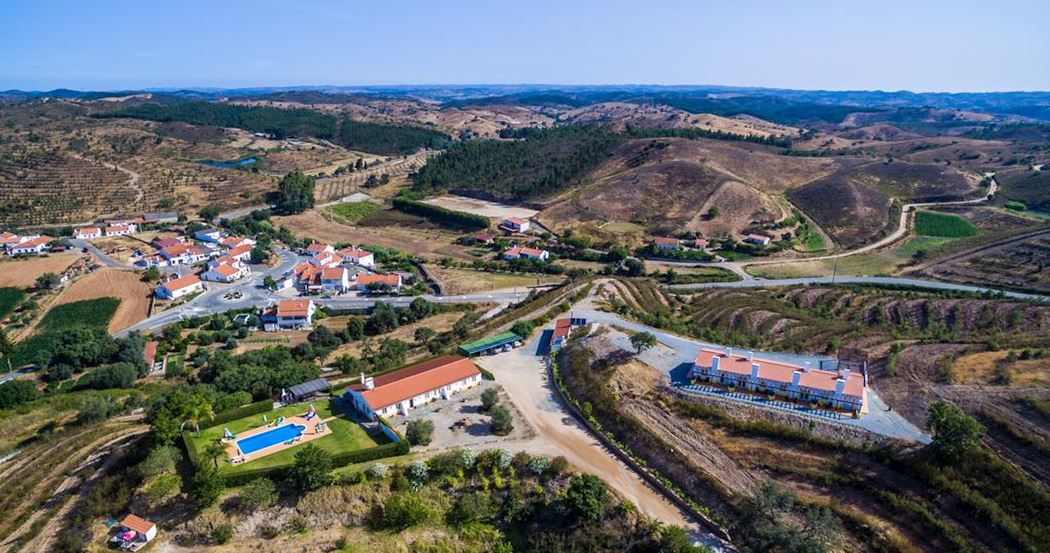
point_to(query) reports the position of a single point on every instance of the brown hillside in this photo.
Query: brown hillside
(621, 114)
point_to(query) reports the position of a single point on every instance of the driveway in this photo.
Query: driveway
(524, 377)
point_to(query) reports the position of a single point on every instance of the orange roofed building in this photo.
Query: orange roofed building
(841, 389)
(398, 392)
(289, 314)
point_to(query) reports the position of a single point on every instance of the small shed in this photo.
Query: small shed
(306, 390)
(491, 344)
(136, 532)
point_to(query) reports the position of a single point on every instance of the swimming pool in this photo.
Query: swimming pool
(278, 435)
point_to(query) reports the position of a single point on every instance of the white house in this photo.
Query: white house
(212, 236)
(289, 314)
(366, 282)
(225, 272)
(515, 224)
(398, 392)
(664, 243)
(120, 230)
(325, 260)
(35, 244)
(522, 252)
(183, 254)
(179, 287)
(242, 253)
(136, 532)
(357, 257)
(232, 242)
(335, 279)
(8, 239)
(87, 233)
(316, 248)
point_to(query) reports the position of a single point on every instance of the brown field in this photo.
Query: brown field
(1019, 263)
(23, 272)
(441, 323)
(461, 281)
(126, 286)
(429, 241)
(980, 368)
(621, 114)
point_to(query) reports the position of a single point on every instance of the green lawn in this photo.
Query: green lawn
(9, 299)
(930, 223)
(355, 211)
(346, 435)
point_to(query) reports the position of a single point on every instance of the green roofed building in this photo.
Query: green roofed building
(490, 344)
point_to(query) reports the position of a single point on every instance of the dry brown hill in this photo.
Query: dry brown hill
(651, 116)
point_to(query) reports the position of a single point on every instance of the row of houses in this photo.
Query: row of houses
(328, 270)
(30, 244)
(841, 389)
(669, 243)
(90, 233)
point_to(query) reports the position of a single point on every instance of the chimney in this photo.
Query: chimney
(715, 361)
(845, 375)
(840, 385)
(807, 366)
(754, 371)
(796, 376)
(729, 352)
(370, 383)
(750, 356)
(362, 378)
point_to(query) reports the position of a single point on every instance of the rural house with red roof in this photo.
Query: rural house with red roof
(368, 283)
(35, 244)
(289, 314)
(522, 252)
(398, 392)
(179, 287)
(515, 224)
(87, 233)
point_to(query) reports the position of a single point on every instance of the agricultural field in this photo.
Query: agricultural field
(352, 212)
(90, 314)
(1019, 264)
(125, 286)
(480, 207)
(463, 281)
(22, 273)
(929, 223)
(10, 297)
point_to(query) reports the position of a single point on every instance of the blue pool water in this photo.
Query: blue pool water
(229, 164)
(269, 438)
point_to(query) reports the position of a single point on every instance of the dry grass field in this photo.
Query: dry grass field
(23, 272)
(123, 285)
(461, 281)
(984, 368)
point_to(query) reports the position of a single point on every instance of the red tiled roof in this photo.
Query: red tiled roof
(226, 270)
(316, 247)
(181, 249)
(182, 282)
(418, 379)
(293, 308)
(391, 280)
(817, 379)
(166, 242)
(484, 236)
(662, 241)
(83, 231)
(34, 242)
(332, 273)
(353, 252)
(516, 220)
(137, 524)
(240, 250)
(562, 327)
(9, 238)
(531, 252)
(117, 228)
(149, 352)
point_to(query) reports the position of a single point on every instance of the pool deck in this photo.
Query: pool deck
(308, 435)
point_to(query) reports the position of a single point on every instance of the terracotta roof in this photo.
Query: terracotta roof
(9, 238)
(353, 252)
(562, 327)
(317, 247)
(34, 242)
(149, 352)
(516, 220)
(166, 242)
(226, 270)
(293, 308)
(484, 236)
(180, 249)
(333, 273)
(137, 524)
(817, 379)
(118, 228)
(414, 380)
(82, 231)
(233, 241)
(531, 252)
(701, 242)
(663, 241)
(391, 280)
(240, 250)
(181, 282)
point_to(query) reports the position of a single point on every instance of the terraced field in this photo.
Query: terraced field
(334, 187)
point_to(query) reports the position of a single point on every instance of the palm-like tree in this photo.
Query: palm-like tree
(213, 451)
(198, 410)
(6, 347)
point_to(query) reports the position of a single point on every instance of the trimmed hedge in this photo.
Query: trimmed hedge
(191, 449)
(485, 374)
(343, 459)
(240, 412)
(450, 217)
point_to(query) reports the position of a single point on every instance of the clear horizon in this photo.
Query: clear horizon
(935, 46)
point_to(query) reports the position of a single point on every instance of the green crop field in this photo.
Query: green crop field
(92, 313)
(929, 223)
(346, 435)
(354, 212)
(9, 299)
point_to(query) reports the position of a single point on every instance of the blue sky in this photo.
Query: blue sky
(921, 45)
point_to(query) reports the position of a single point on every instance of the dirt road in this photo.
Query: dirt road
(524, 377)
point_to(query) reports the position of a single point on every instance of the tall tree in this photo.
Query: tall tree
(295, 193)
(954, 433)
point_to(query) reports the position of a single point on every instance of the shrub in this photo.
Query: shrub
(587, 497)
(161, 459)
(377, 471)
(260, 493)
(221, 534)
(471, 507)
(539, 465)
(559, 465)
(404, 510)
(17, 392)
(208, 485)
(955, 434)
(489, 399)
(419, 431)
(466, 458)
(502, 459)
(417, 473)
(116, 375)
(312, 468)
(162, 487)
(502, 423)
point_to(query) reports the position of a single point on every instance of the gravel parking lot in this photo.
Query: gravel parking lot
(459, 421)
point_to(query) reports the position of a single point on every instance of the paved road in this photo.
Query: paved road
(524, 378)
(102, 257)
(893, 281)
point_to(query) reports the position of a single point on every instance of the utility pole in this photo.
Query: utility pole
(835, 270)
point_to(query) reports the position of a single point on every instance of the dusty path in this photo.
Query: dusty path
(557, 433)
